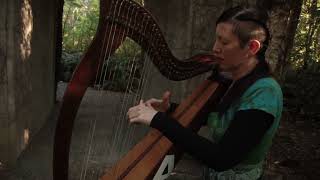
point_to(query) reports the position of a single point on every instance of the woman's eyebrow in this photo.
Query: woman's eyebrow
(218, 36)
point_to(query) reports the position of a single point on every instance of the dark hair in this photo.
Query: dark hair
(248, 23)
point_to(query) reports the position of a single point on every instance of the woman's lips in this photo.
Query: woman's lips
(219, 59)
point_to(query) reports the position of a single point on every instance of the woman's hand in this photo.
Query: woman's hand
(160, 105)
(142, 113)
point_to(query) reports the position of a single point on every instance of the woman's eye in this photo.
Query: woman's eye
(224, 43)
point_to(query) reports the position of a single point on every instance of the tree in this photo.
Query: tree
(283, 21)
(59, 35)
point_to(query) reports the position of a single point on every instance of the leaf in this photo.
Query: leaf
(317, 13)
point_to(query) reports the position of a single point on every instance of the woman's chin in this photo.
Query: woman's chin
(223, 67)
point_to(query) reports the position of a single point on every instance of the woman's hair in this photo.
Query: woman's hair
(248, 23)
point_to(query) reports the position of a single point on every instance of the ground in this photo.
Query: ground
(295, 153)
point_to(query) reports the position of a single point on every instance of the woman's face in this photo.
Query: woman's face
(227, 48)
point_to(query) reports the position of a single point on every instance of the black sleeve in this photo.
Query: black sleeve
(172, 107)
(244, 133)
(201, 119)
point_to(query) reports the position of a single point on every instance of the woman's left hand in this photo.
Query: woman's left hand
(141, 113)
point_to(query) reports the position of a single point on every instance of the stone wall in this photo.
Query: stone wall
(3, 82)
(27, 72)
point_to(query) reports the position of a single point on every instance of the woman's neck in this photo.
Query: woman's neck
(244, 68)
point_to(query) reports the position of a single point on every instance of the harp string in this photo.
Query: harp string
(134, 68)
(123, 137)
(110, 43)
(141, 89)
(125, 141)
(128, 87)
(125, 100)
(129, 136)
(138, 95)
(99, 80)
(117, 13)
(109, 38)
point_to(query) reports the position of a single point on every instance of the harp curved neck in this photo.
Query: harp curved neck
(138, 24)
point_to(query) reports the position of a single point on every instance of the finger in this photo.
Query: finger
(134, 120)
(166, 96)
(129, 111)
(151, 101)
(148, 104)
(132, 109)
(136, 108)
(141, 102)
(132, 115)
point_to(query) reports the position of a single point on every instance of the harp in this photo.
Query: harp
(120, 19)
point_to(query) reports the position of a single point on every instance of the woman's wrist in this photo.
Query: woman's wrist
(172, 107)
(157, 121)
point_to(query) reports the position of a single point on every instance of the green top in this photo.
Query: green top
(266, 95)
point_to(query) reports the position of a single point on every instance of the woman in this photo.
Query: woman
(242, 132)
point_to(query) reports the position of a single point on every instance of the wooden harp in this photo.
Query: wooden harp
(120, 19)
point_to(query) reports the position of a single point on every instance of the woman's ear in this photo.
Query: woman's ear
(254, 46)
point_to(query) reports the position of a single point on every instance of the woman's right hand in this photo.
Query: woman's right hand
(161, 105)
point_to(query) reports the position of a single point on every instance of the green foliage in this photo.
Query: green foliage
(306, 50)
(80, 20)
(69, 62)
(302, 82)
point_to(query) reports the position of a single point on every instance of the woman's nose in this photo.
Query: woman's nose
(216, 49)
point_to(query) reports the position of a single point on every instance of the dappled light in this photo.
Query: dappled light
(26, 137)
(26, 29)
